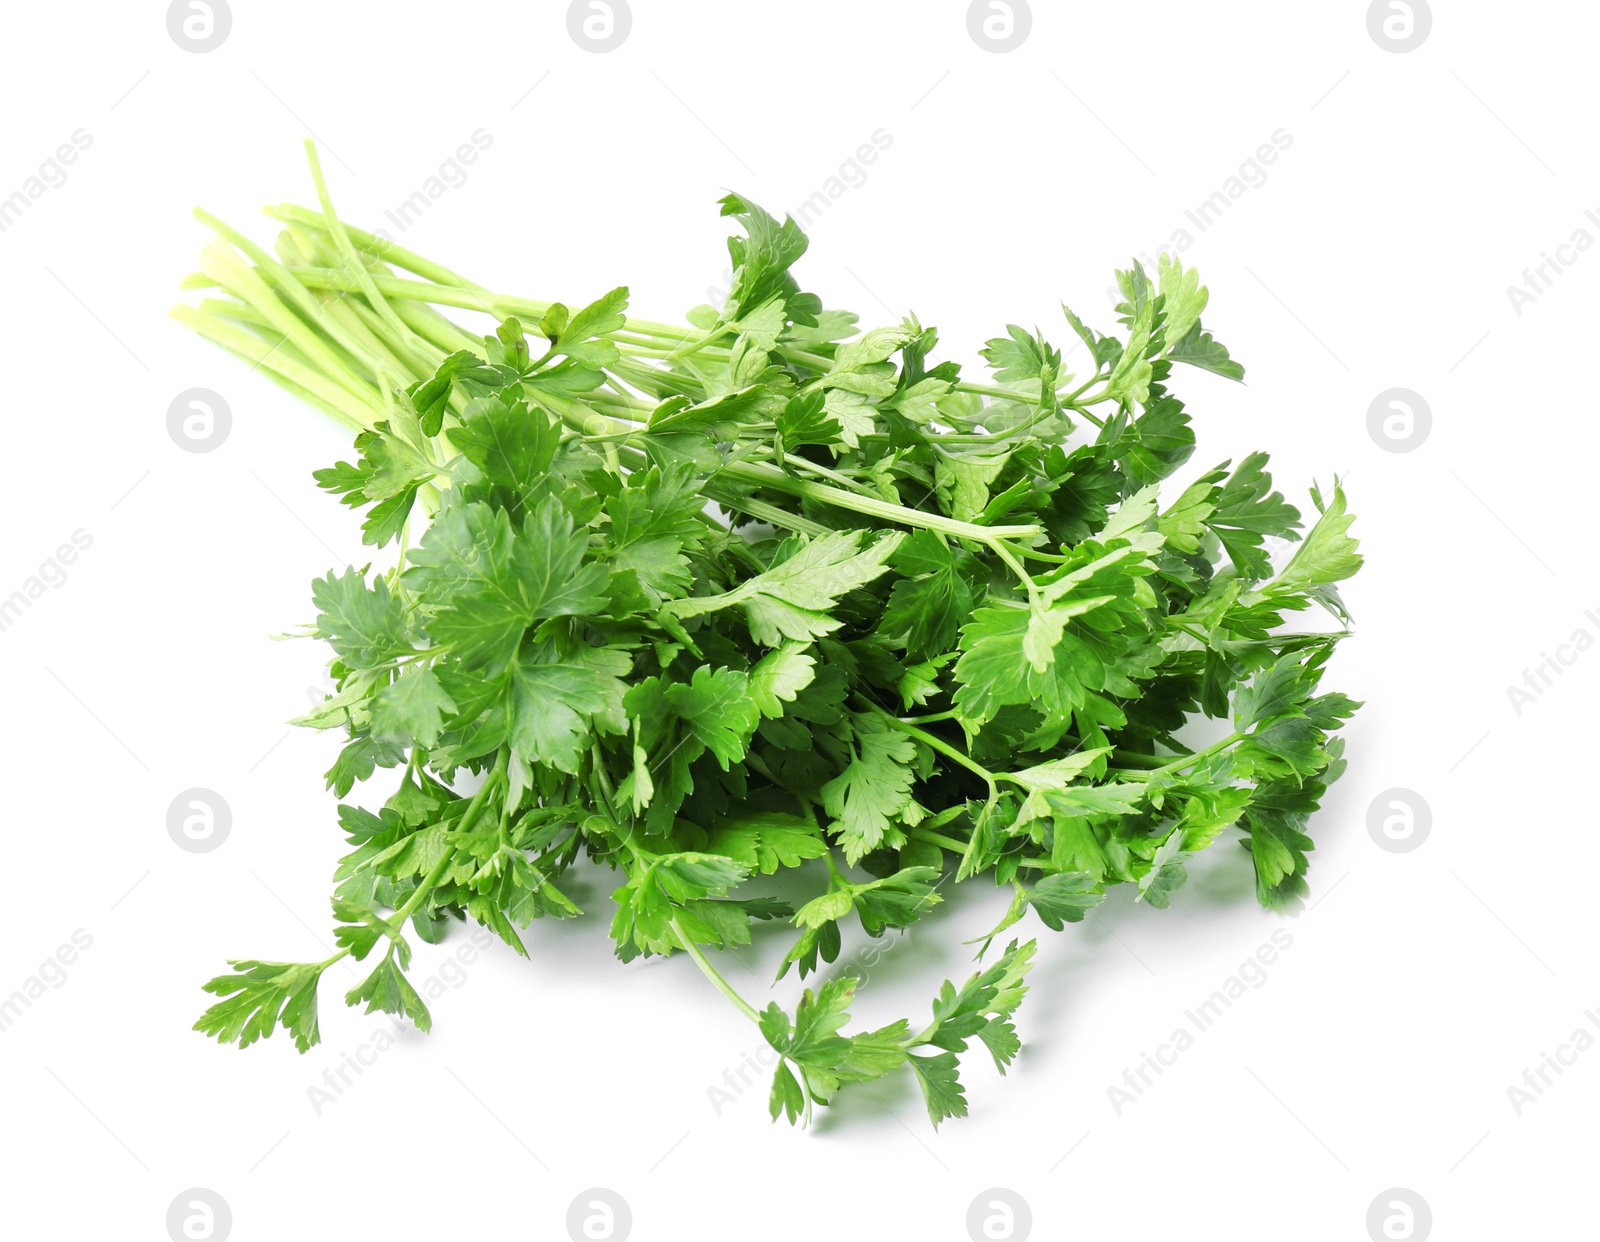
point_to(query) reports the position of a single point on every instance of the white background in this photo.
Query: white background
(1377, 254)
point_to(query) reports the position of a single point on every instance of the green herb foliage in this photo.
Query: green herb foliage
(702, 604)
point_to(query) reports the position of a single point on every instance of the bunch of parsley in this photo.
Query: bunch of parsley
(702, 603)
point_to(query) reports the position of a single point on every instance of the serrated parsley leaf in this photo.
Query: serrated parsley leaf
(1329, 554)
(411, 709)
(511, 443)
(365, 625)
(1019, 356)
(717, 710)
(576, 337)
(259, 997)
(488, 580)
(928, 606)
(779, 677)
(560, 700)
(873, 789)
(794, 600)
(1199, 349)
(1167, 873)
(387, 990)
(1065, 898)
(767, 840)
(1182, 295)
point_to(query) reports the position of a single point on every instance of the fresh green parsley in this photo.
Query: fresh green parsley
(764, 593)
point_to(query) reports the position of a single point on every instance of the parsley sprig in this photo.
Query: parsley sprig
(707, 603)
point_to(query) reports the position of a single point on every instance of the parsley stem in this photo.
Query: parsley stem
(1189, 761)
(464, 296)
(999, 394)
(624, 838)
(927, 720)
(639, 344)
(740, 549)
(771, 476)
(765, 475)
(284, 368)
(496, 775)
(378, 288)
(939, 744)
(695, 346)
(922, 1037)
(282, 280)
(342, 240)
(761, 511)
(710, 971)
(1006, 555)
(1006, 394)
(1072, 397)
(441, 286)
(822, 472)
(939, 839)
(428, 884)
(1033, 554)
(377, 247)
